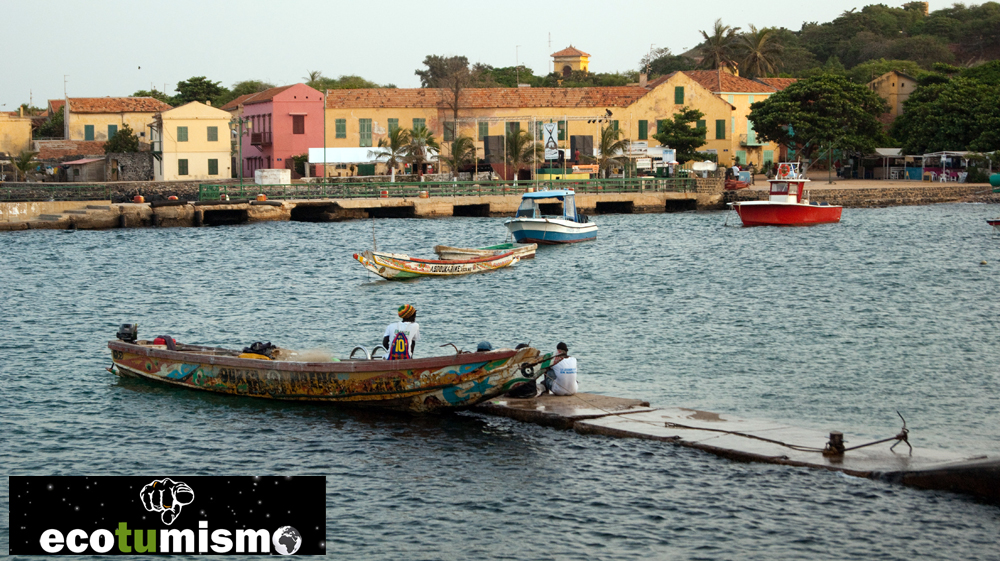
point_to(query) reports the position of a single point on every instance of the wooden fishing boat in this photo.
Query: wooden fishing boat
(521, 251)
(399, 266)
(419, 385)
(786, 205)
(995, 222)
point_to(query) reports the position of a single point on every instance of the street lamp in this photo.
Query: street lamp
(236, 125)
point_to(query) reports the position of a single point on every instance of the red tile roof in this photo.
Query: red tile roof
(570, 51)
(485, 98)
(116, 105)
(259, 97)
(778, 83)
(56, 149)
(720, 81)
(236, 102)
(57, 104)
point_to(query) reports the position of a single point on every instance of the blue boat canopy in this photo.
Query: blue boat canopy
(548, 195)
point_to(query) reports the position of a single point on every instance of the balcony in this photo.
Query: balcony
(260, 138)
(156, 146)
(750, 140)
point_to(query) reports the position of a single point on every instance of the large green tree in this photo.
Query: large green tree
(758, 52)
(155, 94)
(611, 150)
(677, 133)
(660, 62)
(421, 147)
(124, 140)
(821, 112)
(461, 153)
(717, 48)
(198, 88)
(961, 114)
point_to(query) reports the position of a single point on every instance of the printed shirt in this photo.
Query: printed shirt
(401, 336)
(565, 371)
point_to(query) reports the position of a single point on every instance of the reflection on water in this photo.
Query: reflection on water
(831, 328)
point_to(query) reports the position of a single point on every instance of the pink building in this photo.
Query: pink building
(278, 123)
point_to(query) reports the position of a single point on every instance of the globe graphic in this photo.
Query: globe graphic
(286, 540)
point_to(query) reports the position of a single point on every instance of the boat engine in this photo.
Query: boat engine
(128, 332)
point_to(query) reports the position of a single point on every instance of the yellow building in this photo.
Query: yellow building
(192, 142)
(570, 59)
(359, 118)
(15, 133)
(895, 88)
(99, 118)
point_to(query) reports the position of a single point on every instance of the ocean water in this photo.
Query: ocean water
(833, 327)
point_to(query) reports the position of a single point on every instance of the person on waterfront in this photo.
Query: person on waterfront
(560, 378)
(400, 339)
(736, 171)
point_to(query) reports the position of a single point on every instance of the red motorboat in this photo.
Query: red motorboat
(785, 205)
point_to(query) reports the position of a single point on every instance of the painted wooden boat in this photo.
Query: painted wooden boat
(419, 385)
(399, 266)
(785, 205)
(521, 251)
(995, 222)
(530, 226)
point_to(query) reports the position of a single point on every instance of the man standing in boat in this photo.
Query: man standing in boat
(560, 378)
(400, 339)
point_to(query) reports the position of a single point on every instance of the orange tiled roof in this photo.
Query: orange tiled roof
(117, 105)
(722, 81)
(57, 104)
(236, 102)
(485, 98)
(259, 97)
(778, 83)
(56, 149)
(570, 51)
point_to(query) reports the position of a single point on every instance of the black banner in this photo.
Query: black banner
(167, 515)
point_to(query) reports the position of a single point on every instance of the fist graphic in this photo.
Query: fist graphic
(166, 496)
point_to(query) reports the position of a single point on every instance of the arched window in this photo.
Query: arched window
(567, 70)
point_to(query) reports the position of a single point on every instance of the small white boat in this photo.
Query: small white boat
(521, 251)
(529, 225)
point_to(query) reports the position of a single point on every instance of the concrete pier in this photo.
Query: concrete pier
(755, 441)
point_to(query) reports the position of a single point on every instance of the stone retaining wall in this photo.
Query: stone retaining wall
(876, 197)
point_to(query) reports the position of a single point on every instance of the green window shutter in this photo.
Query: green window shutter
(112, 131)
(213, 167)
(614, 126)
(679, 95)
(393, 125)
(182, 136)
(88, 132)
(484, 129)
(449, 131)
(365, 130)
(660, 126)
(213, 134)
(741, 156)
(720, 129)
(768, 157)
(643, 130)
(562, 130)
(417, 123)
(341, 128)
(182, 167)
(538, 130)
(513, 128)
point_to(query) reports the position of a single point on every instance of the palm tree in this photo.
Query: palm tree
(393, 150)
(521, 150)
(610, 150)
(421, 147)
(758, 51)
(22, 163)
(717, 49)
(463, 151)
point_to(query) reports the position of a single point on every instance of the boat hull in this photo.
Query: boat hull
(419, 385)
(521, 251)
(550, 230)
(397, 266)
(763, 213)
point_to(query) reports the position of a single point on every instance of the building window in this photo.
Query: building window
(661, 126)
(614, 125)
(182, 136)
(213, 167)
(182, 167)
(213, 134)
(298, 124)
(484, 129)
(562, 130)
(679, 95)
(341, 128)
(751, 99)
(513, 128)
(720, 129)
(112, 131)
(419, 123)
(393, 125)
(88, 132)
(701, 125)
(643, 130)
(449, 131)
(365, 130)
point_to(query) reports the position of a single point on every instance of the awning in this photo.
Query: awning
(83, 161)
(354, 155)
(889, 152)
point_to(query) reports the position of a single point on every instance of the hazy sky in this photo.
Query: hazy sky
(113, 48)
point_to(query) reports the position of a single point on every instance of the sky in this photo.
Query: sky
(101, 48)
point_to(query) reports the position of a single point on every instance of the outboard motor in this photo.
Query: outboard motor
(128, 332)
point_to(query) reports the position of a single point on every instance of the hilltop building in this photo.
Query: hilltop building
(569, 60)
(895, 88)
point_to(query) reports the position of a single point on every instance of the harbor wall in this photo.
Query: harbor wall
(875, 197)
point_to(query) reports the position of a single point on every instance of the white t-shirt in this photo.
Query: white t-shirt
(402, 335)
(565, 371)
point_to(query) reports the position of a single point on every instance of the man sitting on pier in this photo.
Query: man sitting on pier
(400, 339)
(560, 378)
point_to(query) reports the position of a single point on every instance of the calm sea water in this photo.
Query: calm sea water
(828, 327)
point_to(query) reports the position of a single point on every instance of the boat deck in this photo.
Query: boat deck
(754, 441)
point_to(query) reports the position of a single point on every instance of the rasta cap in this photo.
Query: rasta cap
(406, 311)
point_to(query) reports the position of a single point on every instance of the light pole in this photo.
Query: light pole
(236, 124)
